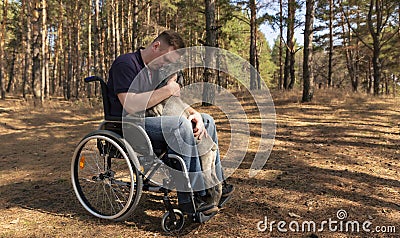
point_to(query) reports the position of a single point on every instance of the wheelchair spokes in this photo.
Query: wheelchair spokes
(107, 149)
(104, 178)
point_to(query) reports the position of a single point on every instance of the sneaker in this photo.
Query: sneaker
(227, 189)
(209, 209)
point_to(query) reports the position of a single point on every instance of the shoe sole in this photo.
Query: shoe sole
(223, 201)
(210, 211)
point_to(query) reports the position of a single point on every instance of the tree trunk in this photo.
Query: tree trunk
(96, 38)
(117, 30)
(211, 36)
(308, 77)
(77, 55)
(330, 84)
(111, 29)
(103, 43)
(355, 61)
(375, 31)
(27, 71)
(386, 79)
(44, 88)
(290, 51)
(280, 82)
(286, 69)
(59, 59)
(69, 65)
(253, 75)
(292, 68)
(123, 29)
(376, 69)
(89, 58)
(148, 18)
(351, 53)
(258, 66)
(63, 79)
(2, 50)
(96, 42)
(11, 74)
(370, 78)
(129, 28)
(135, 27)
(57, 53)
(36, 83)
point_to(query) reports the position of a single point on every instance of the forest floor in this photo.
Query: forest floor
(339, 154)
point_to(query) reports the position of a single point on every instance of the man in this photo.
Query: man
(132, 89)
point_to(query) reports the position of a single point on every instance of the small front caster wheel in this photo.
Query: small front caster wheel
(173, 222)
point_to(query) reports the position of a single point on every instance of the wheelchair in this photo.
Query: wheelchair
(109, 171)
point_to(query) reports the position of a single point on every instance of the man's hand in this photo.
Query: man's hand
(199, 130)
(174, 87)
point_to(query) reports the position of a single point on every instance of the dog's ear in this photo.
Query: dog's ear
(180, 79)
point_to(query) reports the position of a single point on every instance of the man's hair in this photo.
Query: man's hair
(172, 38)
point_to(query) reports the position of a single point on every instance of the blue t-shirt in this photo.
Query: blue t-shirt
(127, 74)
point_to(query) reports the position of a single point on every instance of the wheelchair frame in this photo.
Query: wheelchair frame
(110, 171)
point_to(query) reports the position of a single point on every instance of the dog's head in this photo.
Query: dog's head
(179, 80)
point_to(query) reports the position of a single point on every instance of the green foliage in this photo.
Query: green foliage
(235, 36)
(267, 66)
(275, 51)
(14, 32)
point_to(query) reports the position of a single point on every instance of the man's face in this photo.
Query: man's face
(162, 55)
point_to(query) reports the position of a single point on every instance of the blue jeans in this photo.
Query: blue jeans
(175, 134)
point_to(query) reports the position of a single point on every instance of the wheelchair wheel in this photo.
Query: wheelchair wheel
(105, 180)
(173, 222)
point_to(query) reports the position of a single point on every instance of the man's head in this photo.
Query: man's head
(163, 49)
(170, 39)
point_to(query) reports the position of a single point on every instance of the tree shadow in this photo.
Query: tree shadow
(36, 163)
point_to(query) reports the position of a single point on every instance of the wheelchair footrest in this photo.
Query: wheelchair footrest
(150, 188)
(200, 217)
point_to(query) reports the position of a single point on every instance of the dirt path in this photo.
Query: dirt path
(341, 153)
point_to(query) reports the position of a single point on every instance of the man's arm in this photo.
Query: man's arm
(136, 102)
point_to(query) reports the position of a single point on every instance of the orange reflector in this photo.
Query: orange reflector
(82, 162)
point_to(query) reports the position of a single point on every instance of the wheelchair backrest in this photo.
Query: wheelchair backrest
(106, 101)
(134, 134)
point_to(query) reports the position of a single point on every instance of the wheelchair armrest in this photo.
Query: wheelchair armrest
(92, 79)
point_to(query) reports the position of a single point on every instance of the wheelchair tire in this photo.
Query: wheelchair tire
(173, 222)
(104, 177)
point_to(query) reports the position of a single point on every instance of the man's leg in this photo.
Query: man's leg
(177, 133)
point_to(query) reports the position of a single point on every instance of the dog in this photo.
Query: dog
(174, 106)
